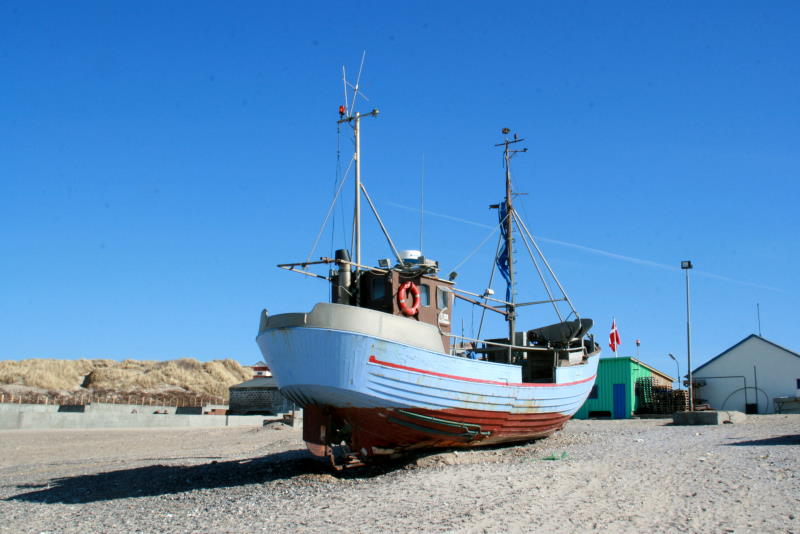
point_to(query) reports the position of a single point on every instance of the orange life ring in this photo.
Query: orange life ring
(401, 298)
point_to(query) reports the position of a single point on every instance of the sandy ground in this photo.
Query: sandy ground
(611, 476)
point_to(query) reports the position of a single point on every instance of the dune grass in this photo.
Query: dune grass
(186, 375)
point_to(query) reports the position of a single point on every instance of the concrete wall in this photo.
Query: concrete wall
(258, 399)
(753, 361)
(40, 416)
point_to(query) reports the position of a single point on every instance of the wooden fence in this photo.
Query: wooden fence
(178, 399)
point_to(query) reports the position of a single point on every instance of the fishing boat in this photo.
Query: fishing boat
(378, 370)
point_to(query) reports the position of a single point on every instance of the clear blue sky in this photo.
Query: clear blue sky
(158, 159)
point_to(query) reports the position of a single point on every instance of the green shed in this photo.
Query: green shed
(614, 392)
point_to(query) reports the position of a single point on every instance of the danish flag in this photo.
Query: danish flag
(613, 338)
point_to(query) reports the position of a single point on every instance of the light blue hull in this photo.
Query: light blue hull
(346, 369)
(382, 383)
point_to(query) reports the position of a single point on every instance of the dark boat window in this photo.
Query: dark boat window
(378, 289)
(442, 298)
(425, 294)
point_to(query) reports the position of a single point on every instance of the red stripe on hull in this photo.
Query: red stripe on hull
(373, 359)
(376, 430)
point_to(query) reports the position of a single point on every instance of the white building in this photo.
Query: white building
(259, 395)
(749, 376)
(260, 369)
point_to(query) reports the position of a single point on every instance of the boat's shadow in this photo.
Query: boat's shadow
(154, 480)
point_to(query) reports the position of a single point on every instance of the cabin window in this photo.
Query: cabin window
(425, 294)
(442, 298)
(378, 289)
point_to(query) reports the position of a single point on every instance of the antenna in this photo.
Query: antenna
(421, 200)
(354, 119)
(356, 92)
(344, 83)
(758, 313)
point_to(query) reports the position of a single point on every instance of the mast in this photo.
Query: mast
(357, 215)
(511, 307)
(512, 313)
(355, 119)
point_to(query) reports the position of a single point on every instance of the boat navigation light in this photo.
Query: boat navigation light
(452, 276)
(489, 292)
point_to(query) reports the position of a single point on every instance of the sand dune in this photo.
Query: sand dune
(65, 377)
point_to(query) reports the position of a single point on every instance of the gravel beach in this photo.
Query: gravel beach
(614, 476)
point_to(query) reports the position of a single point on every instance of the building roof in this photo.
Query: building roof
(258, 382)
(726, 351)
(634, 360)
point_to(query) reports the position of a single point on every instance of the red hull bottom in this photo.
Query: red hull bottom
(380, 431)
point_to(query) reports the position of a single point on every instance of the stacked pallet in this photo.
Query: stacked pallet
(681, 400)
(657, 399)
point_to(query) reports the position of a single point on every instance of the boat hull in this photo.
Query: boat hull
(388, 394)
(389, 430)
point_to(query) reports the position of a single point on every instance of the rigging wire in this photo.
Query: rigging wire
(494, 264)
(539, 271)
(354, 223)
(524, 231)
(547, 264)
(491, 279)
(380, 222)
(342, 222)
(472, 322)
(336, 176)
(475, 251)
(358, 81)
(330, 209)
(353, 233)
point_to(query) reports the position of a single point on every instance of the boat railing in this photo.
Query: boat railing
(525, 348)
(485, 297)
(294, 266)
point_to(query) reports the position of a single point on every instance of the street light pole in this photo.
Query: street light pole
(686, 266)
(678, 366)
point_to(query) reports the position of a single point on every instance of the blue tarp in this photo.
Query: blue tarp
(502, 255)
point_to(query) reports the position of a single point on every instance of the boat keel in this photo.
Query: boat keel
(350, 436)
